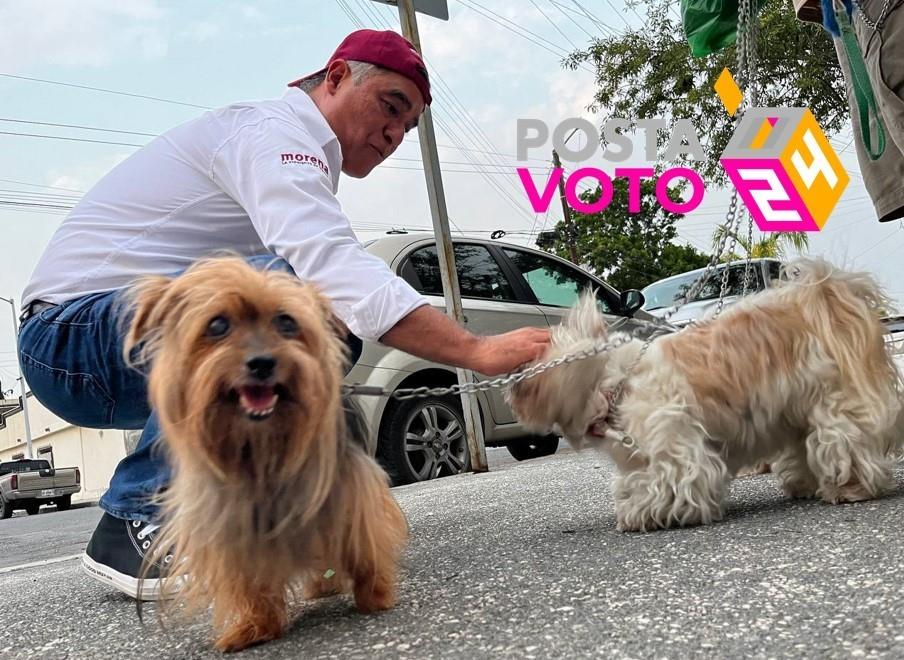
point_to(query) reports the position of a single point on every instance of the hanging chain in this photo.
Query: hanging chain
(747, 68)
(873, 25)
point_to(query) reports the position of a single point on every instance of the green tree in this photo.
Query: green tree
(650, 73)
(628, 250)
(770, 244)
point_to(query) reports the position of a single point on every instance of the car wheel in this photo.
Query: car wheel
(64, 503)
(533, 447)
(6, 509)
(32, 508)
(424, 439)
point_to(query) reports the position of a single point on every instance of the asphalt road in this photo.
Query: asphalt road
(525, 562)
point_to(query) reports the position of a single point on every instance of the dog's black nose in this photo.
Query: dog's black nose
(261, 366)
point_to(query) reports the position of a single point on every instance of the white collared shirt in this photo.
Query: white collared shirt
(251, 178)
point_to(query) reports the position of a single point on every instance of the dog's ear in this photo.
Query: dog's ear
(585, 320)
(149, 310)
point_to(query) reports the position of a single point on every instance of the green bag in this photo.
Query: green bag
(711, 25)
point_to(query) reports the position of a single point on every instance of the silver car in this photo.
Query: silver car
(503, 287)
(663, 294)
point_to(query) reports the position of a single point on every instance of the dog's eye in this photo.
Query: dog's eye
(218, 327)
(286, 325)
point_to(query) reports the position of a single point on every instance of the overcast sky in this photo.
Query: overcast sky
(209, 53)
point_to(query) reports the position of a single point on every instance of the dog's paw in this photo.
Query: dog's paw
(323, 586)
(636, 523)
(799, 491)
(374, 599)
(759, 468)
(852, 491)
(247, 633)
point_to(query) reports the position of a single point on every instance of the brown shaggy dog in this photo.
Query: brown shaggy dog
(270, 490)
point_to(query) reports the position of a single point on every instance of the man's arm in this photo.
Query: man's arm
(430, 334)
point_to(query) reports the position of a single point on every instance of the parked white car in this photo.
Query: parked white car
(503, 287)
(660, 296)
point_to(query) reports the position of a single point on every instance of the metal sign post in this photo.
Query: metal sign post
(436, 8)
(430, 157)
(21, 379)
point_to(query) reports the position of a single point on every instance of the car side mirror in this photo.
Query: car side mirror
(631, 300)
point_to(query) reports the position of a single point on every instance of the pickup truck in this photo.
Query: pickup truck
(27, 484)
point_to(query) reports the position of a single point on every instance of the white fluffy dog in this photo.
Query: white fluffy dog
(798, 375)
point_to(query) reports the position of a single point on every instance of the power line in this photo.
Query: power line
(630, 5)
(30, 194)
(469, 162)
(83, 128)
(568, 16)
(107, 91)
(125, 132)
(555, 50)
(486, 173)
(604, 27)
(587, 12)
(553, 23)
(874, 245)
(370, 11)
(348, 12)
(70, 139)
(38, 185)
(42, 206)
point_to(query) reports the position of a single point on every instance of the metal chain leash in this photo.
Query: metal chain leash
(873, 25)
(480, 386)
(746, 65)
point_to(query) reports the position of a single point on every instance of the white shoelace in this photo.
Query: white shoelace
(150, 529)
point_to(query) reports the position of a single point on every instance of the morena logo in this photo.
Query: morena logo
(304, 159)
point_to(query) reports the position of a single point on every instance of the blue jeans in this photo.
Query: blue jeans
(71, 355)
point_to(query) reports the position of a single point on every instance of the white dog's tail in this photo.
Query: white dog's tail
(844, 309)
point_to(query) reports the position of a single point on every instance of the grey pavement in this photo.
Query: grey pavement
(525, 562)
(26, 539)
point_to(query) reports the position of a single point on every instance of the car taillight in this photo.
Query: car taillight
(14, 482)
(78, 476)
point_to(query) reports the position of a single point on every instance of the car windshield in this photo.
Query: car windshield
(672, 291)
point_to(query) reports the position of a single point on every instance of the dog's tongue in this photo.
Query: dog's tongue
(257, 398)
(598, 428)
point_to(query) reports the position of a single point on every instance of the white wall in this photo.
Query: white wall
(94, 452)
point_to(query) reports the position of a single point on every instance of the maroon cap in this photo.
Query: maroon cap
(387, 49)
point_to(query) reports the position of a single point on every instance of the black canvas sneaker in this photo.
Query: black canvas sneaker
(116, 553)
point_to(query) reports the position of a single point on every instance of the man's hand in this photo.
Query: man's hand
(432, 335)
(500, 354)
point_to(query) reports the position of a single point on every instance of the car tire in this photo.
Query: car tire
(533, 447)
(423, 439)
(64, 503)
(32, 508)
(6, 509)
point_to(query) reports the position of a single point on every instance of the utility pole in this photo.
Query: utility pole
(571, 231)
(22, 392)
(439, 213)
